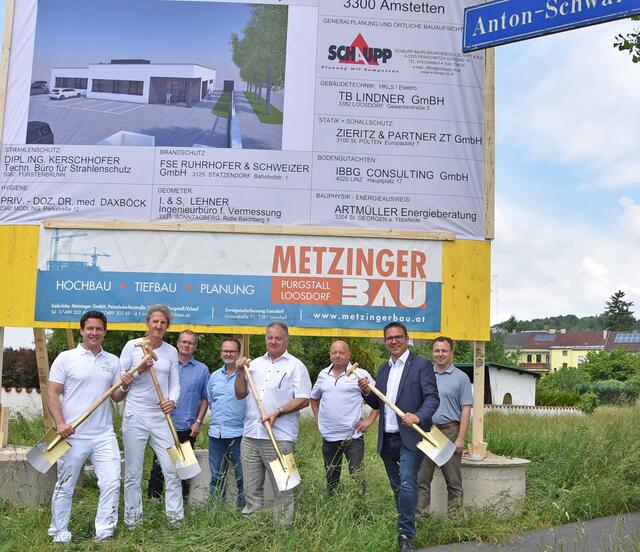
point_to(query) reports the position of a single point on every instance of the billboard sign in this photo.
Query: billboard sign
(294, 113)
(240, 279)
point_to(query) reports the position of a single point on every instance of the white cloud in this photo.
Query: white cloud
(629, 223)
(546, 266)
(576, 101)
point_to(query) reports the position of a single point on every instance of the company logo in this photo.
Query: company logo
(349, 276)
(359, 53)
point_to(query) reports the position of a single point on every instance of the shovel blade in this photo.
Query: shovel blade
(184, 460)
(287, 477)
(42, 459)
(441, 453)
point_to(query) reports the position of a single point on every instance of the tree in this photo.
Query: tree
(617, 313)
(618, 365)
(260, 54)
(511, 324)
(630, 42)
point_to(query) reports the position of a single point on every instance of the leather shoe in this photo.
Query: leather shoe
(404, 544)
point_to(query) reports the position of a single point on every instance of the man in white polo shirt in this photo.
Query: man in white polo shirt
(337, 403)
(284, 387)
(82, 375)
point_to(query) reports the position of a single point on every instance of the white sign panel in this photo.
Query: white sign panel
(351, 113)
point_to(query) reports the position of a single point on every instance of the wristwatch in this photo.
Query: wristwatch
(280, 413)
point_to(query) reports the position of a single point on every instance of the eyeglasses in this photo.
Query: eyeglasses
(228, 352)
(395, 337)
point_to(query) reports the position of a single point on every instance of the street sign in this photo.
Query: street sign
(503, 21)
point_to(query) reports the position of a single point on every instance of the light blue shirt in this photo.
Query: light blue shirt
(454, 389)
(193, 388)
(227, 412)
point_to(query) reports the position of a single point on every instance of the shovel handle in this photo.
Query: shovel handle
(266, 425)
(393, 407)
(149, 354)
(172, 428)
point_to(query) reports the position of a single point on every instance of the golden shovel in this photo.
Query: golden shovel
(181, 454)
(284, 468)
(52, 446)
(434, 443)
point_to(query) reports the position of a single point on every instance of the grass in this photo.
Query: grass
(581, 468)
(258, 105)
(221, 109)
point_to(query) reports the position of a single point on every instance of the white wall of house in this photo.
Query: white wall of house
(521, 386)
(69, 72)
(26, 402)
(135, 72)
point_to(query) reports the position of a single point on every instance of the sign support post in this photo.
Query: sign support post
(42, 360)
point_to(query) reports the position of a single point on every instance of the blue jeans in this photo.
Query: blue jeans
(402, 467)
(223, 452)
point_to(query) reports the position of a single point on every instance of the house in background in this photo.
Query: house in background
(549, 350)
(138, 81)
(505, 384)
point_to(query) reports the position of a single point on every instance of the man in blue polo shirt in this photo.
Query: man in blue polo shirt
(452, 418)
(227, 423)
(337, 403)
(190, 408)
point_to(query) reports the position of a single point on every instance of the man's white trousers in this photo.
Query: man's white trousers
(105, 457)
(138, 428)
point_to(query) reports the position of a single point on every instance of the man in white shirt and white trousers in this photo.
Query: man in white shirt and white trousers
(82, 375)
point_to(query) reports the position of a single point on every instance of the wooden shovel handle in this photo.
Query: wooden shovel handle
(172, 428)
(149, 354)
(392, 406)
(261, 409)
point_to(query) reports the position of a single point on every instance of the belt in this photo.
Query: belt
(448, 425)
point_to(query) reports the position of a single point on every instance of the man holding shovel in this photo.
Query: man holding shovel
(81, 376)
(337, 408)
(282, 383)
(190, 409)
(144, 419)
(408, 381)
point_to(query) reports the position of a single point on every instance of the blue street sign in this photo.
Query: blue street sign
(503, 21)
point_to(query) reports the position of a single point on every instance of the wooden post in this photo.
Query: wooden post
(478, 448)
(4, 411)
(245, 344)
(490, 144)
(1, 355)
(4, 60)
(42, 359)
(4, 426)
(70, 341)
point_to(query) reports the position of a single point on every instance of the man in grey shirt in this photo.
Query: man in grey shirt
(452, 418)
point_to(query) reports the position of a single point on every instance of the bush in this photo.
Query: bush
(588, 402)
(612, 392)
(546, 397)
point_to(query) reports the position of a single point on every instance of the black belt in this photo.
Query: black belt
(448, 425)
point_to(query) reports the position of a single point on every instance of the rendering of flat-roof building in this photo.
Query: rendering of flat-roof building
(138, 81)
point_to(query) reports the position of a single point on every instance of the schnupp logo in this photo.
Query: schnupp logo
(359, 53)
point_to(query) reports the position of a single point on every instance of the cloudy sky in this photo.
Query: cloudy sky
(567, 176)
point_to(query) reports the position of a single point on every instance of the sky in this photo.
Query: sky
(161, 32)
(567, 230)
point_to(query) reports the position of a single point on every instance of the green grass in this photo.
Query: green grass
(258, 104)
(221, 109)
(581, 468)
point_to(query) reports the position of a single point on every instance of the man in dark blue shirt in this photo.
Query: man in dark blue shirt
(191, 406)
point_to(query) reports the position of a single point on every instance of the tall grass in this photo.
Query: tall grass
(581, 468)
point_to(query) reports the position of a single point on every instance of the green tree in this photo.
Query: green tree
(617, 365)
(630, 43)
(617, 313)
(260, 53)
(510, 324)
